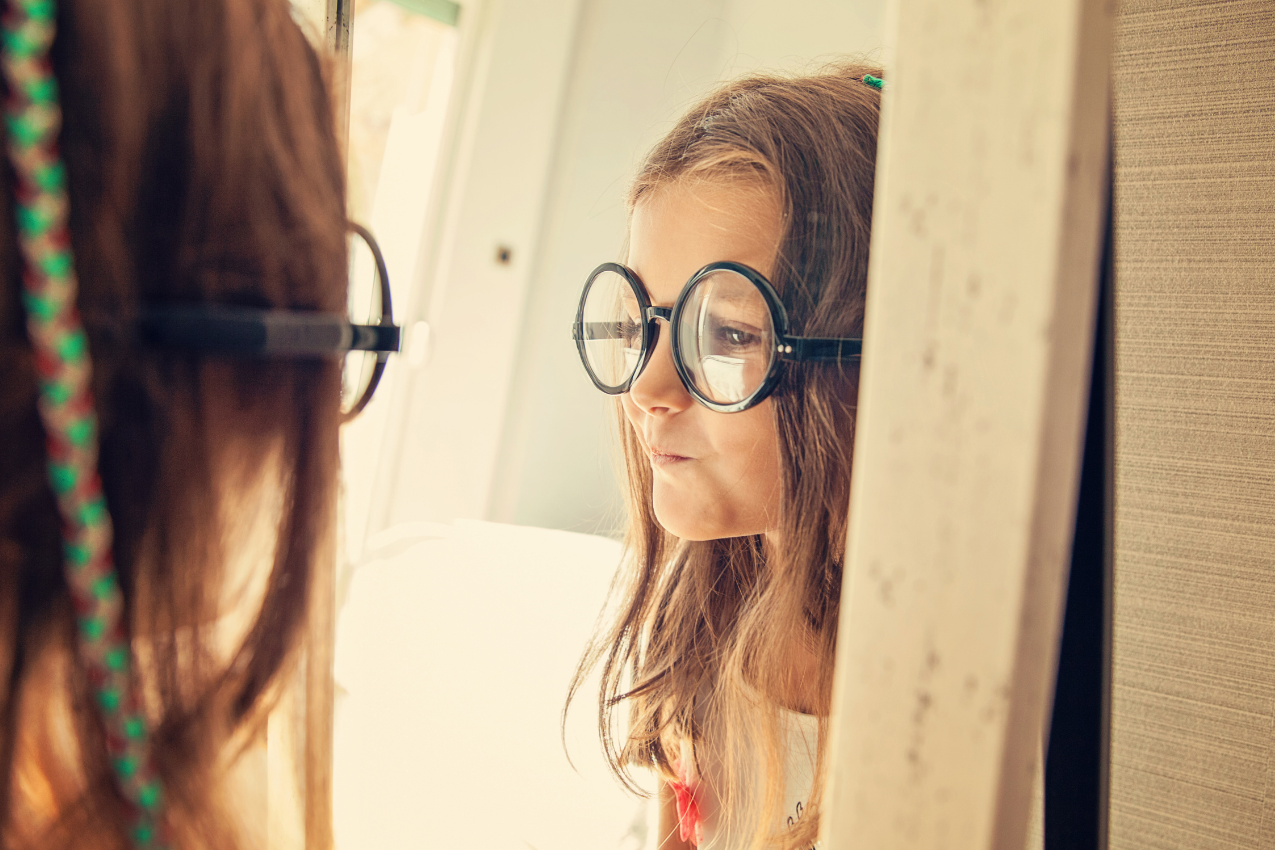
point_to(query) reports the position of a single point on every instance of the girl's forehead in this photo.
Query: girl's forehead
(683, 226)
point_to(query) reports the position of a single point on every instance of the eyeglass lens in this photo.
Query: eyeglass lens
(612, 329)
(726, 336)
(364, 307)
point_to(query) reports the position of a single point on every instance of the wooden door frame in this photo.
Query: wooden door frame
(986, 246)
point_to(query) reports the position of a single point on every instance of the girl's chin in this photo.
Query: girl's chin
(677, 524)
(686, 527)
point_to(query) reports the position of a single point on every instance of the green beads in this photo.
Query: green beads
(117, 659)
(32, 121)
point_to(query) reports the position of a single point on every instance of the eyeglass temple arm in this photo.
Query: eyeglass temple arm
(252, 331)
(613, 329)
(597, 330)
(805, 349)
(814, 349)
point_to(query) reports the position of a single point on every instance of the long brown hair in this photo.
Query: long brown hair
(203, 167)
(702, 628)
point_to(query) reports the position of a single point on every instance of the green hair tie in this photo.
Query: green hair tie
(33, 118)
(876, 82)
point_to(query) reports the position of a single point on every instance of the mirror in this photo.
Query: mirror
(490, 148)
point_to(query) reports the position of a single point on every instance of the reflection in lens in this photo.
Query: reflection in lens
(726, 337)
(356, 375)
(364, 304)
(612, 329)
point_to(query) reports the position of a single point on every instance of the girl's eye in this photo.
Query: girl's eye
(630, 330)
(734, 336)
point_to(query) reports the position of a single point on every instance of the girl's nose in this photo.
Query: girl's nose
(659, 389)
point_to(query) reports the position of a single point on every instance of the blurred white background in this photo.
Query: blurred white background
(454, 650)
(491, 142)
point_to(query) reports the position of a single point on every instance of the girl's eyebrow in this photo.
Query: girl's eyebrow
(732, 298)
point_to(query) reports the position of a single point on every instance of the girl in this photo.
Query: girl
(203, 178)
(731, 338)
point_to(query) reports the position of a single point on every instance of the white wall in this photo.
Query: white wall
(637, 67)
(446, 413)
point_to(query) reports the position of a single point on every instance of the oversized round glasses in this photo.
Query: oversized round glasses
(729, 334)
(364, 338)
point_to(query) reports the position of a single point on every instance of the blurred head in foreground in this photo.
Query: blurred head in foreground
(202, 168)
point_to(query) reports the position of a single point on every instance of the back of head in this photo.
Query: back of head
(705, 626)
(203, 168)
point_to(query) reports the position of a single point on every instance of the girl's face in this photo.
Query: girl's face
(715, 474)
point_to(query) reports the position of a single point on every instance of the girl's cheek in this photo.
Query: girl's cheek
(634, 414)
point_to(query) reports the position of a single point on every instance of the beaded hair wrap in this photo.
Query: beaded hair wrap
(33, 118)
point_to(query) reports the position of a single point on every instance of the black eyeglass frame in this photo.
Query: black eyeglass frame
(787, 347)
(233, 331)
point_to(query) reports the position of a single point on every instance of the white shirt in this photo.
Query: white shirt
(719, 829)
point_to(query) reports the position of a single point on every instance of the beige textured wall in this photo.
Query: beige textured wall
(1193, 743)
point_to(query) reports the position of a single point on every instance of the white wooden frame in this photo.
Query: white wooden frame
(983, 281)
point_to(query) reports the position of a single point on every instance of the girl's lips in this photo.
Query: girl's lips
(660, 457)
